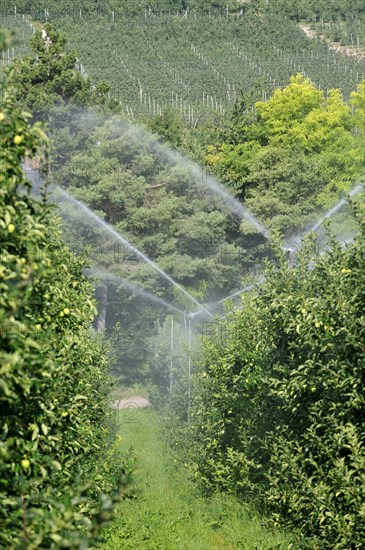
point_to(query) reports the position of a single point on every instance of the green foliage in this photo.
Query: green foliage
(57, 464)
(127, 8)
(49, 77)
(340, 21)
(156, 200)
(277, 414)
(5, 39)
(169, 126)
(319, 8)
(302, 152)
(358, 101)
(278, 410)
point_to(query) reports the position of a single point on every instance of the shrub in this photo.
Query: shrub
(279, 408)
(57, 463)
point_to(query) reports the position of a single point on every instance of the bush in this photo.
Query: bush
(279, 408)
(57, 471)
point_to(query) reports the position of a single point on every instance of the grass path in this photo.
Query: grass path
(168, 512)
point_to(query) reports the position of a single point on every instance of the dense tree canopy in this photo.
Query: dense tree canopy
(301, 152)
(49, 77)
(278, 409)
(56, 447)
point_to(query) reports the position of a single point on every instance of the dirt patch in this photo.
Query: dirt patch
(308, 31)
(136, 402)
(350, 51)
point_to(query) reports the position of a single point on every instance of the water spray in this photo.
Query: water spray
(128, 245)
(237, 293)
(337, 207)
(210, 182)
(214, 185)
(291, 250)
(101, 274)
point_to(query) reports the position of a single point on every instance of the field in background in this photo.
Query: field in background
(21, 29)
(196, 65)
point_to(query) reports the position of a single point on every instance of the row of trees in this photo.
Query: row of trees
(277, 414)
(157, 199)
(319, 9)
(293, 354)
(198, 67)
(329, 11)
(59, 470)
(340, 21)
(107, 7)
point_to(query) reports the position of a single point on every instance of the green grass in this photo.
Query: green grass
(168, 512)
